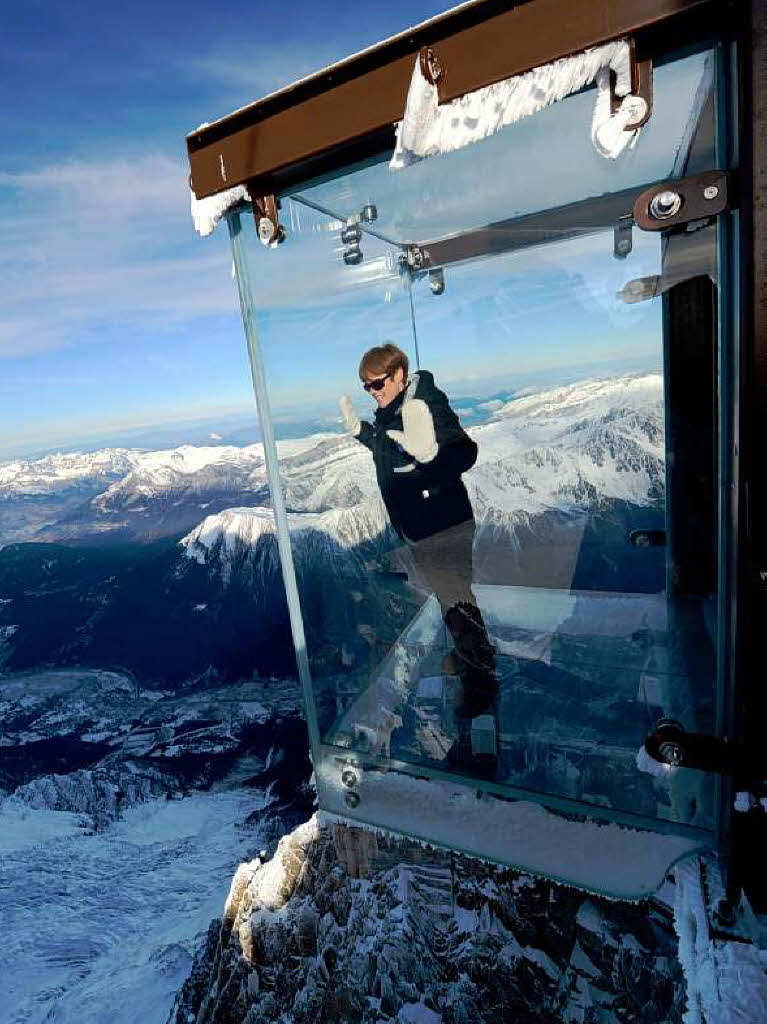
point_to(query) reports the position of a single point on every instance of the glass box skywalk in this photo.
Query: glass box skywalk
(590, 361)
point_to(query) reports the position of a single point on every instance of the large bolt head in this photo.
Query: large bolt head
(665, 204)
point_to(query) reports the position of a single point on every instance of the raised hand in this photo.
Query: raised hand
(351, 419)
(417, 436)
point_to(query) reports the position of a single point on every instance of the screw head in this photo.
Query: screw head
(710, 192)
(351, 799)
(349, 778)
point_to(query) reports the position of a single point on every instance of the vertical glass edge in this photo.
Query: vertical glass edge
(258, 376)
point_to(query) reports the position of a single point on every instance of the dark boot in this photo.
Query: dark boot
(473, 659)
(463, 759)
(472, 645)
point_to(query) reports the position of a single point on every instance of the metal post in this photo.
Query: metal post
(729, 387)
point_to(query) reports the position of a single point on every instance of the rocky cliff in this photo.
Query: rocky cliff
(358, 927)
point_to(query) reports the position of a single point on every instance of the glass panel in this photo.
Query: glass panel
(561, 384)
(527, 645)
(319, 313)
(461, 190)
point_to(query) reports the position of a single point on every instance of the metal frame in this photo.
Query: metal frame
(347, 111)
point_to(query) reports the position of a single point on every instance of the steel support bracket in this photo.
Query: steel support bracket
(671, 744)
(641, 85)
(266, 216)
(671, 204)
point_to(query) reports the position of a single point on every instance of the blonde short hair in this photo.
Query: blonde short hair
(386, 358)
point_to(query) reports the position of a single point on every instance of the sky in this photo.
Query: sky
(113, 313)
(115, 316)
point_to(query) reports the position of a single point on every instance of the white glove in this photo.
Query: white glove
(350, 417)
(418, 437)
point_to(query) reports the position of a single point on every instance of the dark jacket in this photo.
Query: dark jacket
(422, 498)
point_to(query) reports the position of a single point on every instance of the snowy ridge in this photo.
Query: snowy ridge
(101, 795)
(187, 467)
(557, 449)
(562, 447)
(61, 471)
(229, 534)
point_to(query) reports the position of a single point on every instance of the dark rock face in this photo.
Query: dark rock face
(425, 937)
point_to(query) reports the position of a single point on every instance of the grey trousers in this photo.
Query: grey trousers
(442, 565)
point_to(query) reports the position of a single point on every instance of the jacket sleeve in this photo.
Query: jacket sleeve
(366, 434)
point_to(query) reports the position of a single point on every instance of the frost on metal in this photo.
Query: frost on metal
(428, 128)
(206, 213)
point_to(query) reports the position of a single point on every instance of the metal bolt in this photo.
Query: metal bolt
(710, 192)
(350, 235)
(369, 213)
(349, 778)
(352, 256)
(665, 204)
(265, 230)
(351, 799)
(437, 281)
(672, 752)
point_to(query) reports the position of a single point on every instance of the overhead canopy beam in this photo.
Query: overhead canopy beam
(347, 111)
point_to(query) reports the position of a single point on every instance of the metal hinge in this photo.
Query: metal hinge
(683, 201)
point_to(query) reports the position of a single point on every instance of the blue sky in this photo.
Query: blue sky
(115, 315)
(112, 311)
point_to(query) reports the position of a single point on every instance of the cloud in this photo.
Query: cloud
(88, 246)
(244, 75)
(492, 405)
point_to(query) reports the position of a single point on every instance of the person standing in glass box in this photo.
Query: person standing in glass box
(420, 451)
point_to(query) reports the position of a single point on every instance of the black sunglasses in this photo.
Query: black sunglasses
(377, 384)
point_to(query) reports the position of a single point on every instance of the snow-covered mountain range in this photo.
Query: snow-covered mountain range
(557, 450)
(562, 476)
(554, 449)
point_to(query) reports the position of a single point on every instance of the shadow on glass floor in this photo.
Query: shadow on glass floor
(583, 676)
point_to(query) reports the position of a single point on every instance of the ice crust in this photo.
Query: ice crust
(726, 981)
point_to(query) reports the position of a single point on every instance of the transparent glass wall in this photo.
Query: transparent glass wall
(585, 608)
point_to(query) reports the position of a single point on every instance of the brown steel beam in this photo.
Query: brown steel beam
(554, 225)
(355, 103)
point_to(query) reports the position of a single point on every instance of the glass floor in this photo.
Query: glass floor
(582, 678)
